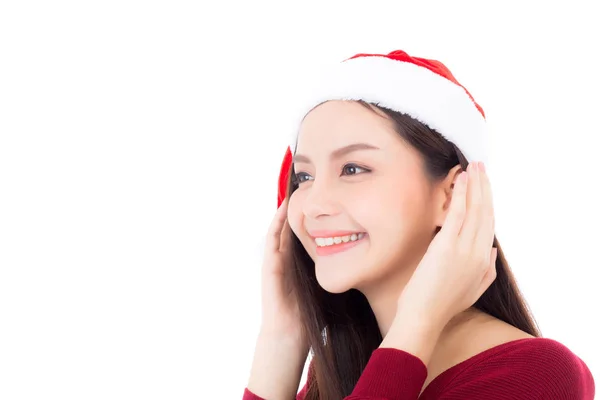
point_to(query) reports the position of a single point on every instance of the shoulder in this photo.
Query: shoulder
(542, 367)
(542, 353)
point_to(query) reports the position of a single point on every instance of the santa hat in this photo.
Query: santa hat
(424, 89)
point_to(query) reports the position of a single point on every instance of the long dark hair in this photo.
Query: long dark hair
(341, 328)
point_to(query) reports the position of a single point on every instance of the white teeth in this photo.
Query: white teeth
(321, 242)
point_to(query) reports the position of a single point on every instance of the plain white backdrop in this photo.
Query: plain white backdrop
(140, 144)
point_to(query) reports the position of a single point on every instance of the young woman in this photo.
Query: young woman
(382, 260)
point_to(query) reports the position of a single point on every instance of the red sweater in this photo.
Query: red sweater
(523, 369)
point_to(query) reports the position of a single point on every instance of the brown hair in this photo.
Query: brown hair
(341, 328)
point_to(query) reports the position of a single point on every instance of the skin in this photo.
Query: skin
(421, 290)
(394, 203)
(412, 283)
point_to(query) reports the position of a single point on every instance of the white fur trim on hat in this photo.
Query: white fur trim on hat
(405, 87)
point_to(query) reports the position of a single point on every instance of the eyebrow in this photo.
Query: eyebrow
(339, 152)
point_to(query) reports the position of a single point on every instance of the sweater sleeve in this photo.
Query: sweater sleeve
(248, 395)
(389, 374)
(539, 370)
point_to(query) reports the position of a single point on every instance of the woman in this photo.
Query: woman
(382, 258)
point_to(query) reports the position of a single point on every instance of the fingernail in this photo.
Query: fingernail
(481, 166)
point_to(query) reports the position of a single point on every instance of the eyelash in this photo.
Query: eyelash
(297, 176)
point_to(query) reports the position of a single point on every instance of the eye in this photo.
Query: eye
(301, 177)
(353, 169)
(348, 169)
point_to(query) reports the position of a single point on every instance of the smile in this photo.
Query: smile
(337, 244)
(330, 241)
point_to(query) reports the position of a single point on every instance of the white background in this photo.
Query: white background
(140, 144)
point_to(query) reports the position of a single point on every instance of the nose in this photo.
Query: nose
(321, 200)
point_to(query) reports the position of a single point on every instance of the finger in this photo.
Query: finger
(456, 212)
(473, 211)
(286, 237)
(490, 274)
(274, 232)
(485, 234)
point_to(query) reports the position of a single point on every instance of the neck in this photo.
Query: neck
(383, 297)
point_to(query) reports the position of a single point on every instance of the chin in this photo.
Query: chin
(335, 280)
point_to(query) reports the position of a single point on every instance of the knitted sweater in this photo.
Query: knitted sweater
(523, 369)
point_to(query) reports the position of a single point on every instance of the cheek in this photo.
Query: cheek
(379, 207)
(296, 220)
(394, 214)
(407, 227)
(294, 213)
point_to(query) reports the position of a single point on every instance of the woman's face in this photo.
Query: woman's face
(357, 176)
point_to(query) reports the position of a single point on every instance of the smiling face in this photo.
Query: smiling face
(357, 176)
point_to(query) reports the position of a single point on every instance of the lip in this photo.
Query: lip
(322, 233)
(338, 248)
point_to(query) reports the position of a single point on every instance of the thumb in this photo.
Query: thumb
(490, 274)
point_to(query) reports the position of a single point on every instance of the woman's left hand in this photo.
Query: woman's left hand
(460, 263)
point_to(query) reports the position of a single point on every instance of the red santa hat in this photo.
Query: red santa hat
(421, 88)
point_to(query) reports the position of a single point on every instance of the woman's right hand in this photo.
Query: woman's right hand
(280, 311)
(281, 347)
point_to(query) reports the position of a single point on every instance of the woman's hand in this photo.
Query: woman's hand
(460, 263)
(281, 347)
(280, 311)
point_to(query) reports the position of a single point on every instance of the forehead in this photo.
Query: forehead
(338, 123)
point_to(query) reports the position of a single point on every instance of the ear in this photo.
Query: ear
(444, 194)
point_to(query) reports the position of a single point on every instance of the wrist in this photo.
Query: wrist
(285, 340)
(277, 366)
(418, 322)
(422, 319)
(414, 334)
